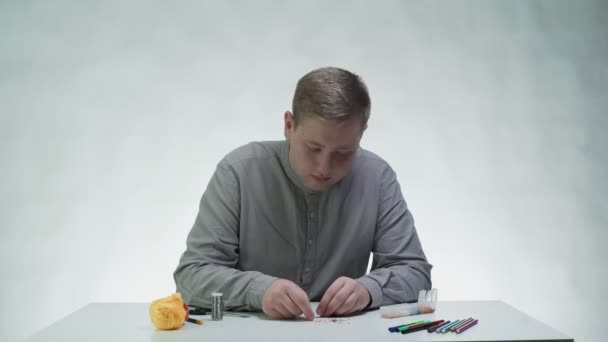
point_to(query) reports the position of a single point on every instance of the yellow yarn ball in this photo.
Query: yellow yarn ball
(168, 313)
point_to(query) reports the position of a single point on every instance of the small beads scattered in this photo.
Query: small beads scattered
(332, 320)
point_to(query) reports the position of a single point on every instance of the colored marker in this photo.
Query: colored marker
(447, 326)
(419, 327)
(443, 329)
(195, 321)
(394, 329)
(198, 311)
(470, 324)
(462, 323)
(435, 327)
(409, 326)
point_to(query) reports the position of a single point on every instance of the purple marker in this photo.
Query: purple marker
(461, 324)
(467, 326)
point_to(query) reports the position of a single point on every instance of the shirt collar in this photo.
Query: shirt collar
(289, 170)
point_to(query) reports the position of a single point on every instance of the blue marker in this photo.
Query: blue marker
(445, 329)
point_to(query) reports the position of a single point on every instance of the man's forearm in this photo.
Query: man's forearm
(241, 290)
(397, 284)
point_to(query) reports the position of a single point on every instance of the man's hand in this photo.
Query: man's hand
(284, 299)
(344, 297)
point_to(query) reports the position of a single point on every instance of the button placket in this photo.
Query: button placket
(310, 231)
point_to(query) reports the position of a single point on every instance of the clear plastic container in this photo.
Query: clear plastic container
(427, 302)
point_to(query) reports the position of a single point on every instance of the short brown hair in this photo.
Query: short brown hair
(331, 93)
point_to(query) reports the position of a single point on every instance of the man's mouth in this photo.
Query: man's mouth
(321, 179)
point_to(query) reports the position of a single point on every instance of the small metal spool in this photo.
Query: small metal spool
(217, 310)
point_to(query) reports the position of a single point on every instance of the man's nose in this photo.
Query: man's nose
(324, 166)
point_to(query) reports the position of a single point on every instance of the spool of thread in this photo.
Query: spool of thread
(217, 309)
(168, 313)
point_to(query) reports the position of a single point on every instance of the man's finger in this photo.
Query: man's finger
(290, 304)
(289, 308)
(274, 314)
(338, 300)
(300, 299)
(349, 304)
(329, 296)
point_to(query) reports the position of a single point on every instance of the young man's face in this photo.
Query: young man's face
(321, 151)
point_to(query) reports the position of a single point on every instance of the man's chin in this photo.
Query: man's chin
(319, 187)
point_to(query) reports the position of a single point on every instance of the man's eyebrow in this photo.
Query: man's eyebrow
(312, 142)
(341, 149)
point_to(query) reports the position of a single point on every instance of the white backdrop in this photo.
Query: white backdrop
(113, 115)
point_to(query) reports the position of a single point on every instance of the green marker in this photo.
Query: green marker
(394, 329)
(405, 327)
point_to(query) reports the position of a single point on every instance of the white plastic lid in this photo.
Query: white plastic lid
(217, 294)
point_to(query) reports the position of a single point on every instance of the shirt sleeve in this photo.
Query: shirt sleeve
(209, 263)
(399, 267)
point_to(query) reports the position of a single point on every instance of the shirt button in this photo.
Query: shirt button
(312, 214)
(307, 269)
(310, 242)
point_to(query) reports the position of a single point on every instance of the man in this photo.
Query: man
(288, 222)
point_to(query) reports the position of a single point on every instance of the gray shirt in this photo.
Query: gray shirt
(257, 222)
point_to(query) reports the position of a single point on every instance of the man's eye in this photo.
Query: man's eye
(314, 149)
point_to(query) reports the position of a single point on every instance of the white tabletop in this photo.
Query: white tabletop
(131, 322)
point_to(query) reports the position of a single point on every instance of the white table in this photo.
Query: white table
(130, 322)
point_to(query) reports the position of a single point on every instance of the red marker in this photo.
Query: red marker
(437, 326)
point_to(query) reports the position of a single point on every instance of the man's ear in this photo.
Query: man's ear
(289, 124)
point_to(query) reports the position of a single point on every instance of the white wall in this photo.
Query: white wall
(114, 114)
